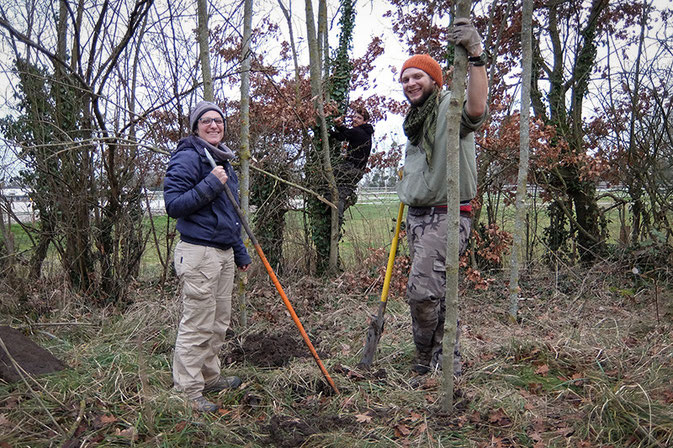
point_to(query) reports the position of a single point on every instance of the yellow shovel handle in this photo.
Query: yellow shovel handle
(391, 256)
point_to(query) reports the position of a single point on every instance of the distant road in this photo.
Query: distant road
(21, 203)
(22, 206)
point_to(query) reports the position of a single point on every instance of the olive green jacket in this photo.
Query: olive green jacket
(424, 185)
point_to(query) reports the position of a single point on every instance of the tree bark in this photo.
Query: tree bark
(524, 140)
(204, 51)
(453, 213)
(245, 147)
(318, 101)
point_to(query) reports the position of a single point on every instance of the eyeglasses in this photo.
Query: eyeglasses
(207, 121)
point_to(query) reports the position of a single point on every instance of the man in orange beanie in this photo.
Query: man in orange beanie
(424, 184)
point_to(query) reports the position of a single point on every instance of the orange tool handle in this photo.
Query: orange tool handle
(274, 279)
(296, 320)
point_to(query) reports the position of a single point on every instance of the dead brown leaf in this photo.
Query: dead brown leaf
(536, 436)
(401, 430)
(498, 417)
(128, 433)
(415, 416)
(420, 429)
(4, 421)
(535, 388)
(363, 418)
(667, 396)
(565, 431)
(103, 420)
(496, 442)
(475, 417)
(542, 370)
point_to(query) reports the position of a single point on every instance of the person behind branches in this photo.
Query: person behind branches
(354, 163)
(423, 187)
(209, 249)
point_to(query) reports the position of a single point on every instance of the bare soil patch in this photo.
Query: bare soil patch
(271, 350)
(32, 358)
(286, 431)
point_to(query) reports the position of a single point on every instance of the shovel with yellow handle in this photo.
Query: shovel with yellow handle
(376, 325)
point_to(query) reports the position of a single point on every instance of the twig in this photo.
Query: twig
(55, 324)
(75, 425)
(292, 184)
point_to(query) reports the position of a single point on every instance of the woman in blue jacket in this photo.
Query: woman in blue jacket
(210, 246)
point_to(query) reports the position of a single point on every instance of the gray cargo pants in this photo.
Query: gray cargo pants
(426, 289)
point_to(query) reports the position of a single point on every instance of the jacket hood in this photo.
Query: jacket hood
(368, 128)
(187, 142)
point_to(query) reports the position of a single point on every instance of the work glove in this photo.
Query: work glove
(463, 33)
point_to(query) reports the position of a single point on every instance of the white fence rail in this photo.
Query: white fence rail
(22, 206)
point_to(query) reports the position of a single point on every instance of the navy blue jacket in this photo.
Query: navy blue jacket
(196, 198)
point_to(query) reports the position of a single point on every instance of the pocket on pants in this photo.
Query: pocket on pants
(195, 285)
(195, 270)
(188, 257)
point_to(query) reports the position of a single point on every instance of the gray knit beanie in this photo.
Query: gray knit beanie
(201, 108)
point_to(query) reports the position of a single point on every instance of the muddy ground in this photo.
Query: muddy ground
(31, 358)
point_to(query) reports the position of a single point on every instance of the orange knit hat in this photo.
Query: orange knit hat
(427, 64)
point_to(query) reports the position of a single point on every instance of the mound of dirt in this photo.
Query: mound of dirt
(285, 431)
(270, 350)
(32, 358)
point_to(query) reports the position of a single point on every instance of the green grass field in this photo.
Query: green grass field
(368, 224)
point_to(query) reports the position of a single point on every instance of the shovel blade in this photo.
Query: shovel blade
(373, 336)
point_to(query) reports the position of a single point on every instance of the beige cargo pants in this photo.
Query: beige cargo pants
(207, 279)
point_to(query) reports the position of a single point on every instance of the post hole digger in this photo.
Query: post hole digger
(376, 325)
(274, 279)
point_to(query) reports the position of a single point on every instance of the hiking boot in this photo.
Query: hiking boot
(420, 368)
(201, 404)
(223, 382)
(436, 364)
(422, 363)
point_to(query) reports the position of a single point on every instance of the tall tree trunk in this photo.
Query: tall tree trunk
(524, 140)
(323, 42)
(6, 240)
(453, 212)
(305, 141)
(74, 195)
(245, 144)
(204, 51)
(315, 67)
(635, 186)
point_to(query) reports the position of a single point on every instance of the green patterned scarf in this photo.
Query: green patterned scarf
(420, 125)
